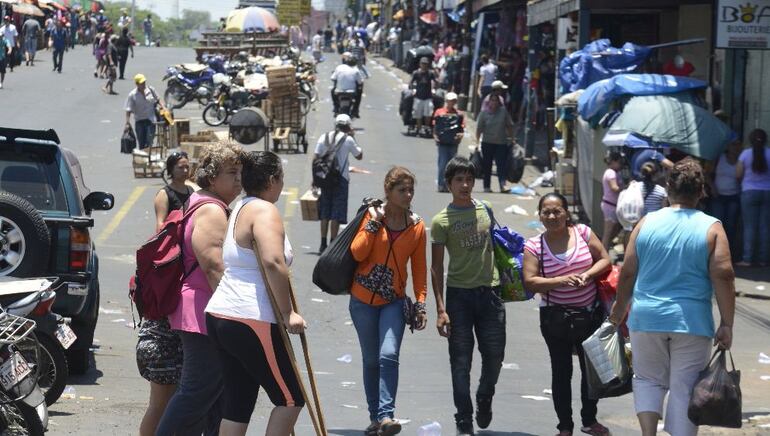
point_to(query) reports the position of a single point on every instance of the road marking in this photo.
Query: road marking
(116, 220)
(291, 206)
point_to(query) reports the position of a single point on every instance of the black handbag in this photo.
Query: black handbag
(477, 162)
(128, 140)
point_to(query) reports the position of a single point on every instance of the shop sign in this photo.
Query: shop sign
(567, 34)
(290, 12)
(743, 24)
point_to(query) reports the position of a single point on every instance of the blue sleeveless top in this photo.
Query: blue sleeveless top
(673, 289)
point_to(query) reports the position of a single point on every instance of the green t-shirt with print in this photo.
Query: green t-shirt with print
(465, 232)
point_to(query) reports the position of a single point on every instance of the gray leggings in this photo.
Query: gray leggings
(195, 408)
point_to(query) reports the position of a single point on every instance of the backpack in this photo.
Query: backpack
(326, 172)
(630, 205)
(160, 267)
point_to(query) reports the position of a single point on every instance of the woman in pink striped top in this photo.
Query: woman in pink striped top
(562, 264)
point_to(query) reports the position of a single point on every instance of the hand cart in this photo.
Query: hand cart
(288, 123)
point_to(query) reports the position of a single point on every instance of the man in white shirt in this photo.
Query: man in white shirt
(333, 203)
(487, 75)
(347, 77)
(141, 102)
(317, 42)
(11, 36)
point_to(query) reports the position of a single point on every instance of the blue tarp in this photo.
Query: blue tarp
(597, 61)
(597, 97)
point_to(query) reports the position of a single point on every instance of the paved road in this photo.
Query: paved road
(111, 398)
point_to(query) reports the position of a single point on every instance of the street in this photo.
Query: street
(111, 397)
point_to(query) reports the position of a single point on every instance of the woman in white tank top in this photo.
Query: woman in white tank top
(240, 316)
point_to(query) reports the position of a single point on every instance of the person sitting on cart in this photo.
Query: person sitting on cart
(346, 78)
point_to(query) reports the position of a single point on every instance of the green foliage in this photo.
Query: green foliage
(173, 32)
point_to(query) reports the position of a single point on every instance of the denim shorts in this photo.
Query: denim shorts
(333, 203)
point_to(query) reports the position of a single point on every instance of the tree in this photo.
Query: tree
(174, 31)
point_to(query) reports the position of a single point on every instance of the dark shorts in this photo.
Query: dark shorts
(159, 353)
(333, 203)
(253, 356)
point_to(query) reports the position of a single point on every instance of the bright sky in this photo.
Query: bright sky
(164, 8)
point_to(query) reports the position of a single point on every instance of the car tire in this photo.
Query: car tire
(24, 235)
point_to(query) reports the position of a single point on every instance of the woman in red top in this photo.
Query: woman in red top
(387, 239)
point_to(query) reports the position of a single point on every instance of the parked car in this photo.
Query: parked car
(45, 227)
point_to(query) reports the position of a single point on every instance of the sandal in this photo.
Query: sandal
(596, 429)
(389, 427)
(373, 429)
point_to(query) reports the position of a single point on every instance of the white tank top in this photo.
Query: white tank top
(241, 292)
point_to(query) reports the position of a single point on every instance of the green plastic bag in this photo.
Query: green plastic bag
(509, 267)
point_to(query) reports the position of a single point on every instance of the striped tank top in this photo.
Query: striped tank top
(575, 261)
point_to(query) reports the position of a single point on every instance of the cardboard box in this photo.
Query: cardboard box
(309, 204)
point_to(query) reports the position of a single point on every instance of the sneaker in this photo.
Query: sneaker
(596, 429)
(483, 412)
(465, 428)
(389, 427)
(373, 428)
(487, 190)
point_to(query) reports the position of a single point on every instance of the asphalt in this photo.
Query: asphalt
(111, 398)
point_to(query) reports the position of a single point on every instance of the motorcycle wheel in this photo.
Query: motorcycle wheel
(52, 368)
(19, 418)
(175, 96)
(209, 95)
(214, 115)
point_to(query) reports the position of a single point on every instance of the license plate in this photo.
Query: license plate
(65, 335)
(13, 370)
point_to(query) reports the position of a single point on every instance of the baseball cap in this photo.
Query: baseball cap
(342, 120)
(424, 60)
(450, 96)
(497, 84)
(139, 79)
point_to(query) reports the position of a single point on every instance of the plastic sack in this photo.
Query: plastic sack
(476, 160)
(608, 370)
(128, 141)
(716, 396)
(607, 287)
(515, 164)
(334, 271)
(509, 267)
(630, 205)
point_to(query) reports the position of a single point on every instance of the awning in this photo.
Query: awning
(27, 9)
(481, 4)
(540, 11)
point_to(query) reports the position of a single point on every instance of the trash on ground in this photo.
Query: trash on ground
(319, 300)
(69, 393)
(348, 384)
(346, 358)
(294, 202)
(760, 288)
(535, 397)
(348, 322)
(349, 406)
(510, 366)
(131, 325)
(534, 224)
(432, 429)
(306, 247)
(110, 311)
(358, 170)
(764, 377)
(518, 210)
(119, 320)
(521, 190)
(83, 397)
(547, 391)
(403, 421)
(764, 358)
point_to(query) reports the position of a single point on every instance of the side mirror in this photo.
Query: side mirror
(98, 201)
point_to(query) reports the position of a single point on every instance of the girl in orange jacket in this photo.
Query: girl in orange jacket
(388, 238)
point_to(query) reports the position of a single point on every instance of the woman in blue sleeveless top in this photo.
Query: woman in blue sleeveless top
(677, 258)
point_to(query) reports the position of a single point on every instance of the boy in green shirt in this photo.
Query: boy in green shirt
(473, 297)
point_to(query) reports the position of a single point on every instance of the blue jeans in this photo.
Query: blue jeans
(445, 154)
(481, 310)
(755, 205)
(380, 330)
(145, 133)
(727, 209)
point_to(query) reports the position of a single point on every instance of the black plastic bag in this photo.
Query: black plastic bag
(128, 141)
(476, 160)
(606, 348)
(515, 164)
(333, 272)
(716, 396)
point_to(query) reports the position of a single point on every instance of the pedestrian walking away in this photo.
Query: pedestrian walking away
(147, 28)
(612, 184)
(487, 74)
(422, 83)
(333, 202)
(473, 302)
(159, 349)
(124, 46)
(317, 43)
(347, 78)
(31, 30)
(725, 199)
(654, 195)
(494, 131)
(59, 43)
(562, 264)
(448, 131)
(240, 316)
(752, 171)
(111, 60)
(389, 236)
(8, 29)
(5, 53)
(141, 102)
(195, 406)
(671, 287)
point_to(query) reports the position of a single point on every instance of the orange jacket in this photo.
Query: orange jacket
(370, 249)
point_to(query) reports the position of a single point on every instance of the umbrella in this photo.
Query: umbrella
(27, 9)
(615, 138)
(251, 19)
(675, 120)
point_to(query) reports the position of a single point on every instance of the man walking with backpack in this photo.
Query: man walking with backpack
(473, 301)
(330, 173)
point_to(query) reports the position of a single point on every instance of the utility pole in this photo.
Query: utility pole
(133, 16)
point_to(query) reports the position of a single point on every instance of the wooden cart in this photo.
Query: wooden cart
(266, 44)
(288, 123)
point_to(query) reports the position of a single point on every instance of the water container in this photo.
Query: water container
(432, 429)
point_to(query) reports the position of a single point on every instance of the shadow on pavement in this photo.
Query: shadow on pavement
(345, 432)
(90, 377)
(56, 413)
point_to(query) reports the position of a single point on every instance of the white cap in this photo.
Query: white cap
(347, 54)
(342, 120)
(450, 96)
(498, 84)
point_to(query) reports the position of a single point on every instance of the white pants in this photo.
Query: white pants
(668, 362)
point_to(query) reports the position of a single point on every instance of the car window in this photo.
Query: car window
(34, 176)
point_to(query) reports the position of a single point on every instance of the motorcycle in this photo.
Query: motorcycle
(230, 99)
(307, 86)
(52, 333)
(345, 102)
(23, 410)
(185, 86)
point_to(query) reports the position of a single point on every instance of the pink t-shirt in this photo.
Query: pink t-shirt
(575, 261)
(610, 196)
(189, 315)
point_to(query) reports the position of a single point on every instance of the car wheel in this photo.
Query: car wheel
(24, 238)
